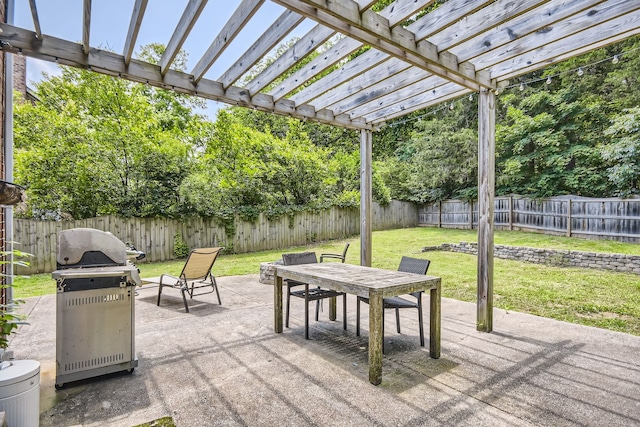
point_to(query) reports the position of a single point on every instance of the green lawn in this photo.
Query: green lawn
(589, 297)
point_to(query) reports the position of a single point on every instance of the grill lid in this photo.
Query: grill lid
(88, 247)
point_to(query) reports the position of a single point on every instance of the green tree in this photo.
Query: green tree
(96, 145)
(622, 152)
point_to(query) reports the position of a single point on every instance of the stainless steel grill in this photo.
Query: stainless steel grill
(95, 313)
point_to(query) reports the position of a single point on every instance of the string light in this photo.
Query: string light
(579, 70)
(521, 85)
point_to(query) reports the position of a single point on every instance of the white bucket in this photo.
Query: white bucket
(20, 392)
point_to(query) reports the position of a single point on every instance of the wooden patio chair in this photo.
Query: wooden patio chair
(196, 274)
(409, 265)
(313, 294)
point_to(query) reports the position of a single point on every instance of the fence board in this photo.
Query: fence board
(156, 236)
(617, 219)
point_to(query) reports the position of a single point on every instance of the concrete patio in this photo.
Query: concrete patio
(224, 365)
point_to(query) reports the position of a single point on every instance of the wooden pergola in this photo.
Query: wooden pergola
(417, 56)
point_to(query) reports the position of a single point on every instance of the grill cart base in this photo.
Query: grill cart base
(95, 333)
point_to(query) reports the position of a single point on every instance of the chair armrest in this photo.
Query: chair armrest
(331, 256)
(162, 282)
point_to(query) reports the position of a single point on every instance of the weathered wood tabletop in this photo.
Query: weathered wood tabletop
(373, 283)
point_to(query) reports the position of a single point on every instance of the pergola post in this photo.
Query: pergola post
(486, 193)
(366, 144)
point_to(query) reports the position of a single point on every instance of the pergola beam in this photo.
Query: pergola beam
(300, 50)
(179, 36)
(593, 38)
(347, 73)
(589, 25)
(355, 88)
(36, 20)
(139, 8)
(269, 39)
(373, 29)
(68, 53)
(239, 19)
(530, 22)
(332, 56)
(436, 95)
(86, 26)
(426, 86)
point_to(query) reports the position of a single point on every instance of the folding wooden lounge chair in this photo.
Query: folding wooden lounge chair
(309, 294)
(409, 265)
(196, 274)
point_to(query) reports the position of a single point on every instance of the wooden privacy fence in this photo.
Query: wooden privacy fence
(156, 236)
(617, 219)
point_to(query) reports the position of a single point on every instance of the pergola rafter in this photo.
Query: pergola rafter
(363, 67)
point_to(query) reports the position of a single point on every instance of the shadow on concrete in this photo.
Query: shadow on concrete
(224, 365)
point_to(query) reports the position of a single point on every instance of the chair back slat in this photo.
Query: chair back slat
(344, 252)
(414, 265)
(299, 258)
(199, 263)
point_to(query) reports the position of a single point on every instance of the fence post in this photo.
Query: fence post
(439, 213)
(471, 214)
(569, 207)
(510, 212)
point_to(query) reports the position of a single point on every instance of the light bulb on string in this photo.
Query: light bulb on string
(580, 72)
(521, 88)
(451, 106)
(470, 97)
(615, 59)
(549, 80)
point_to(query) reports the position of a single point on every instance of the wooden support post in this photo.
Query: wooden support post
(365, 197)
(486, 193)
(440, 214)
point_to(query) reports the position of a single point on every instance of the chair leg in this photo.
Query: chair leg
(357, 316)
(306, 311)
(398, 319)
(184, 298)
(317, 308)
(344, 311)
(159, 293)
(286, 320)
(215, 286)
(420, 321)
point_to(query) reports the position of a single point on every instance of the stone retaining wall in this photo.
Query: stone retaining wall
(562, 258)
(266, 272)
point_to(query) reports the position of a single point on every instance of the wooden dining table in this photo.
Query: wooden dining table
(373, 283)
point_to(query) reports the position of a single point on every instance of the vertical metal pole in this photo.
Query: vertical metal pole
(366, 191)
(8, 156)
(486, 193)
